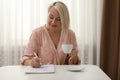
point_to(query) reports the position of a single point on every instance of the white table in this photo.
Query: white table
(90, 72)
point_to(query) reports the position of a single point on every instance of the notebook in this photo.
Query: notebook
(43, 69)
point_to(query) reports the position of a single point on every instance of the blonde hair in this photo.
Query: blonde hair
(64, 14)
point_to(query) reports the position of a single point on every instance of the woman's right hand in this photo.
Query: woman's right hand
(35, 62)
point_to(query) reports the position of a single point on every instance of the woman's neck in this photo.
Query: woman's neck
(53, 31)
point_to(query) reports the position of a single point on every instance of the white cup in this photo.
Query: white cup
(67, 48)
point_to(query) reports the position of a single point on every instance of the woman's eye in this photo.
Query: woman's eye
(58, 19)
(51, 17)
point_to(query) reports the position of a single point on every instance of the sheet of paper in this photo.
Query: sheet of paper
(43, 69)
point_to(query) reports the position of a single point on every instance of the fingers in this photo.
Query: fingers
(35, 62)
(72, 59)
(37, 59)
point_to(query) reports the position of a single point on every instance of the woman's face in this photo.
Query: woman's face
(53, 20)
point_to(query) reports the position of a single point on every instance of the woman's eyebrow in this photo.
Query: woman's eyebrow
(53, 15)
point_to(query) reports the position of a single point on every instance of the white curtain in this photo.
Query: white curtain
(19, 17)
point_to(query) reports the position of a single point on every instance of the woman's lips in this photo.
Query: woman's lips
(53, 25)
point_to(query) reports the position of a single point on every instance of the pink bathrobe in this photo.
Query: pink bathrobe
(40, 42)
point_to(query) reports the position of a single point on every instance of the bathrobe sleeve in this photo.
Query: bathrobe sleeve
(75, 59)
(32, 46)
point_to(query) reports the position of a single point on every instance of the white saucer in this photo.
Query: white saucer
(75, 68)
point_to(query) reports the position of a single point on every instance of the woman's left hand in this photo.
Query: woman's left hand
(73, 59)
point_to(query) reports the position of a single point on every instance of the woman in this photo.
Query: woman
(46, 41)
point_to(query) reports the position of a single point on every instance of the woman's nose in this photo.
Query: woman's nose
(54, 21)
